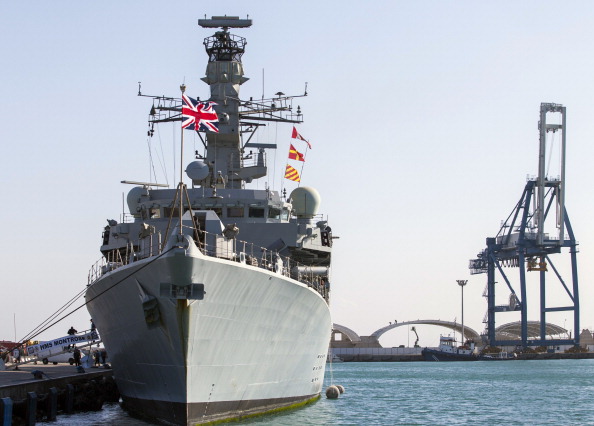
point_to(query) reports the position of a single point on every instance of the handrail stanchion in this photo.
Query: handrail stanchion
(115, 258)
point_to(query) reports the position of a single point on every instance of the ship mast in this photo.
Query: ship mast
(181, 186)
(224, 75)
(229, 166)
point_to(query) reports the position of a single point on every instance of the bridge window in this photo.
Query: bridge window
(256, 212)
(273, 213)
(234, 211)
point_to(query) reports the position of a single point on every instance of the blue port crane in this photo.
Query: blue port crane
(537, 228)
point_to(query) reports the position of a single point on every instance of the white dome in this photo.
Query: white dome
(133, 198)
(197, 171)
(306, 201)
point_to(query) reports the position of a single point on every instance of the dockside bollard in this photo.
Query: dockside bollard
(69, 403)
(31, 409)
(5, 411)
(51, 402)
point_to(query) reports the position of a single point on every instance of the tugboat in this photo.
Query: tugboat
(448, 351)
(212, 301)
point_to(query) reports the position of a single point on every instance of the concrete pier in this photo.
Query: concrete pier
(414, 354)
(34, 393)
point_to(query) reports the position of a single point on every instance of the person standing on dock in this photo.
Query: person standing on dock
(93, 328)
(16, 354)
(96, 357)
(71, 332)
(76, 355)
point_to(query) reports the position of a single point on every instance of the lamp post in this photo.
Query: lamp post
(564, 321)
(462, 283)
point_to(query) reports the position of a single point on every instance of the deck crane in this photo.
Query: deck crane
(415, 331)
(528, 238)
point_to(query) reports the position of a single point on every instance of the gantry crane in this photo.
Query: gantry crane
(525, 241)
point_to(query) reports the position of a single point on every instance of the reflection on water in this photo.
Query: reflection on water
(111, 414)
(429, 393)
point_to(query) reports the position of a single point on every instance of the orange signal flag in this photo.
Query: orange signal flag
(295, 155)
(296, 135)
(292, 174)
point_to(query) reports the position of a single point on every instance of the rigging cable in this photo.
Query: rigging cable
(30, 335)
(331, 355)
(151, 162)
(274, 155)
(174, 149)
(160, 158)
(303, 164)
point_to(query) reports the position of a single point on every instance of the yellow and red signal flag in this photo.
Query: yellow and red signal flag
(295, 155)
(296, 135)
(292, 174)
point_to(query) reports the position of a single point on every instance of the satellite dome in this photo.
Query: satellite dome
(197, 171)
(133, 198)
(306, 202)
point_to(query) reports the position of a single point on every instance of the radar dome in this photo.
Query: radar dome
(197, 171)
(133, 198)
(306, 202)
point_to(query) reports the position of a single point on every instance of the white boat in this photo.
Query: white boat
(199, 325)
(333, 358)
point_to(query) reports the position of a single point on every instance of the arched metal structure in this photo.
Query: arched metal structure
(513, 330)
(353, 337)
(468, 332)
(510, 332)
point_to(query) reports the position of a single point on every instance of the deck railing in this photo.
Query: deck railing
(215, 245)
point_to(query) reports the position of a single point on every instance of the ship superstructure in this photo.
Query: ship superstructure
(213, 300)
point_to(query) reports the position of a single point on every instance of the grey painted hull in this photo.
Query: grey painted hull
(256, 341)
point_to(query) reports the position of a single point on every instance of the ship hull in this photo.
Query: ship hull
(253, 341)
(437, 355)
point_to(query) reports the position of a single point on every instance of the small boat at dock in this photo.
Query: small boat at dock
(449, 351)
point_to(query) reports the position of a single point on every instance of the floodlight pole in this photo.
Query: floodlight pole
(462, 283)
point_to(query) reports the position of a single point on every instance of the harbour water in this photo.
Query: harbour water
(426, 393)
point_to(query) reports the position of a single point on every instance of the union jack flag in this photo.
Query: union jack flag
(199, 115)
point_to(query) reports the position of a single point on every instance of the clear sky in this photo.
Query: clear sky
(422, 116)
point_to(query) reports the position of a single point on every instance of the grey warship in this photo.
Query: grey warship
(212, 300)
